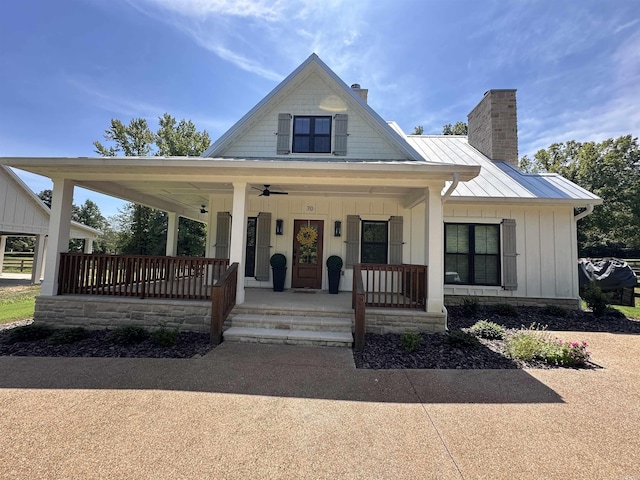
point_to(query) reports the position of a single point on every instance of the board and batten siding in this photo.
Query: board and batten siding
(19, 212)
(545, 244)
(290, 208)
(261, 139)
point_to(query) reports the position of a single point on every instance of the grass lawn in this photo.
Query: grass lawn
(17, 303)
(631, 312)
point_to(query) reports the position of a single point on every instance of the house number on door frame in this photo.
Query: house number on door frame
(310, 208)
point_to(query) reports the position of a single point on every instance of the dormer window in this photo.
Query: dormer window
(311, 134)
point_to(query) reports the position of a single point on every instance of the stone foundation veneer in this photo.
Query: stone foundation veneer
(104, 312)
(195, 316)
(400, 321)
(571, 303)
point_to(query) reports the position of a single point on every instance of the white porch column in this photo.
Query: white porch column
(3, 246)
(44, 255)
(38, 259)
(434, 249)
(88, 245)
(237, 252)
(172, 234)
(210, 248)
(59, 226)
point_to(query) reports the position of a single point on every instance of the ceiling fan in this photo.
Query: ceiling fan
(266, 192)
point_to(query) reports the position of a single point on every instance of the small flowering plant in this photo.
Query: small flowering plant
(567, 354)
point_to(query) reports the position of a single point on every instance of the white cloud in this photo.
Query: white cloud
(270, 38)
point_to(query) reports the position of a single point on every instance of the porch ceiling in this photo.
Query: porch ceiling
(182, 184)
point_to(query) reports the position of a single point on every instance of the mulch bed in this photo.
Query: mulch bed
(188, 345)
(386, 352)
(381, 351)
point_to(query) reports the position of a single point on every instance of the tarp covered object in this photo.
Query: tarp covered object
(609, 274)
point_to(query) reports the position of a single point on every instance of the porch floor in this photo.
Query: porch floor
(297, 299)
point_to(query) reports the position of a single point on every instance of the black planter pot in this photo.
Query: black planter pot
(334, 280)
(279, 275)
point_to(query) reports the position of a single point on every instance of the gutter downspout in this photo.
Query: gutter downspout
(581, 215)
(452, 187)
(445, 197)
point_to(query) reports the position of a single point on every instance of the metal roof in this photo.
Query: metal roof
(498, 180)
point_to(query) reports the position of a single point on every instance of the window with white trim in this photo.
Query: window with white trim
(311, 134)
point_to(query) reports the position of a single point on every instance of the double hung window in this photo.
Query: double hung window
(472, 254)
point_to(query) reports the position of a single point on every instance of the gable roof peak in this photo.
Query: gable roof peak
(312, 62)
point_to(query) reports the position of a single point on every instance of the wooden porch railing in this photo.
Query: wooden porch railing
(223, 299)
(139, 276)
(386, 286)
(394, 286)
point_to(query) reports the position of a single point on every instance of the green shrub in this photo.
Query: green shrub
(525, 345)
(488, 330)
(505, 310)
(165, 337)
(596, 299)
(334, 262)
(470, 305)
(278, 260)
(460, 339)
(555, 311)
(68, 335)
(410, 341)
(127, 335)
(29, 333)
(535, 343)
(566, 354)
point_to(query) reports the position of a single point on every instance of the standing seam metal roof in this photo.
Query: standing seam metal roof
(497, 179)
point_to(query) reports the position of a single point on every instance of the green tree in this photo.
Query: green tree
(45, 196)
(88, 214)
(611, 170)
(181, 139)
(460, 128)
(142, 230)
(133, 140)
(419, 130)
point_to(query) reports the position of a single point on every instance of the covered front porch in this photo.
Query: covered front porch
(199, 294)
(404, 199)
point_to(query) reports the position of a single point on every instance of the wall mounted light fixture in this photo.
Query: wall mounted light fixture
(337, 228)
(203, 209)
(279, 226)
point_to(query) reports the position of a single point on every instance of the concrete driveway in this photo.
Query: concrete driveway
(256, 411)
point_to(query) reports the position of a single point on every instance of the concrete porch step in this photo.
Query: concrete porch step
(291, 322)
(288, 337)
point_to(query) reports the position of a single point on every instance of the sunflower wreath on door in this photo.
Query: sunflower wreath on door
(308, 239)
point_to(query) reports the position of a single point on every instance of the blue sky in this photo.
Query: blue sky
(68, 67)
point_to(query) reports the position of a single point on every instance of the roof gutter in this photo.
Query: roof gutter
(583, 214)
(452, 187)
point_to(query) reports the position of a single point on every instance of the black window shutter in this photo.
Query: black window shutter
(340, 147)
(223, 230)
(353, 240)
(509, 264)
(395, 241)
(263, 246)
(284, 134)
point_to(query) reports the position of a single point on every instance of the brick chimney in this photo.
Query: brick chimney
(363, 93)
(493, 126)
